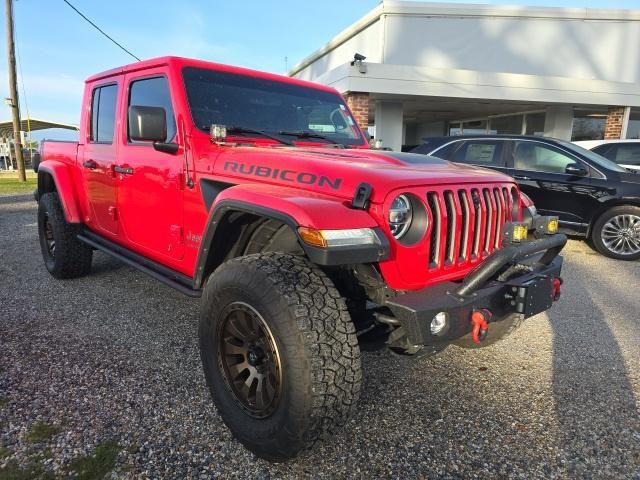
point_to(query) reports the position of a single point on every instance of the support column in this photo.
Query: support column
(388, 120)
(615, 120)
(358, 103)
(558, 122)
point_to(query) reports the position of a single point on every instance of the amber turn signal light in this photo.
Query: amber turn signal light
(312, 237)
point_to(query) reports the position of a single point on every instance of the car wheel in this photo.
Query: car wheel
(616, 233)
(64, 255)
(279, 352)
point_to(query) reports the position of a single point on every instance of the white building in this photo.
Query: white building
(434, 68)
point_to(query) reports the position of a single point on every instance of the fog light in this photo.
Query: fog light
(515, 232)
(545, 225)
(439, 323)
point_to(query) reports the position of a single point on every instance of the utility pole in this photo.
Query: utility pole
(13, 90)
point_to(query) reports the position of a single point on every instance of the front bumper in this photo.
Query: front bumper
(530, 291)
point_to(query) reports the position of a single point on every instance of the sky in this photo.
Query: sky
(57, 49)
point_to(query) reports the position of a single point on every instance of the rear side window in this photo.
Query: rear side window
(475, 152)
(154, 92)
(103, 113)
(627, 154)
(446, 153)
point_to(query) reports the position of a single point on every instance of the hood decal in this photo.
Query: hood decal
(286, 175)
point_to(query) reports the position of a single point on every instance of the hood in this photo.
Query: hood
(338, 172)
(630, 177)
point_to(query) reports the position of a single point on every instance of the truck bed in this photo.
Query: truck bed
(62, 151)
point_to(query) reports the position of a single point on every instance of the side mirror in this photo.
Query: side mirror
(576, 170)
(147, 124)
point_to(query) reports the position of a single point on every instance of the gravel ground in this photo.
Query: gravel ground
(114, 358)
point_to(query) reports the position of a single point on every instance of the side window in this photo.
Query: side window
(154, 92)
(103, 113)
(485, 153)
(538, 157)
(446, 153)
(628, 154)
(607, 151)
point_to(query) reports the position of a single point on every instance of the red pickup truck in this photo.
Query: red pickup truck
(260, 193)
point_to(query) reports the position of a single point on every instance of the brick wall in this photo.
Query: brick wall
(358, 103)
(613, 127)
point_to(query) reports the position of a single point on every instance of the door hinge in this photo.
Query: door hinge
(113, 211)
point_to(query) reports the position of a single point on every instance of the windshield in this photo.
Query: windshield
(246, 102)
(594, 157)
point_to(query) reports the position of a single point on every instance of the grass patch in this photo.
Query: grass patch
(31, 471)
(41, 432)
(12, 185)
(4, 452)
(98, 464)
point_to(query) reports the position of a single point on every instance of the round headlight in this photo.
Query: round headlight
(400, 215)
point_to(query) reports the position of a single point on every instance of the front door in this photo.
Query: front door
(540, 171)
(98, 157)
(150, 202)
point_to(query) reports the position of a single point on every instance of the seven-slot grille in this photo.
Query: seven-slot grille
(466, 223)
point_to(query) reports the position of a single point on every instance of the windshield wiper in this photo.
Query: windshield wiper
(308, 134)
(259, 132)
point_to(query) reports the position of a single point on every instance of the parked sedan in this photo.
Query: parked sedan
(625, 153)
(593, 197)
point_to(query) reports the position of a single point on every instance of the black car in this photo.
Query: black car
(592, 196)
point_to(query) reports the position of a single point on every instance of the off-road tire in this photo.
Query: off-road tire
(596, 231)
(71, 258)
(497, 331)
(317, 345)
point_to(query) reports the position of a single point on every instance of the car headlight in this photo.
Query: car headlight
(400, 216)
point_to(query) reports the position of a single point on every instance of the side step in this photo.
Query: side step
(169, 277)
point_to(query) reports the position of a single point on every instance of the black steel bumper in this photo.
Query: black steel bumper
(528, 292)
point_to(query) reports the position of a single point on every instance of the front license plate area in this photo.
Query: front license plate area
(533, 296)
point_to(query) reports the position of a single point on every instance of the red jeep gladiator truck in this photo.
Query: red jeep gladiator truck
(260, 193)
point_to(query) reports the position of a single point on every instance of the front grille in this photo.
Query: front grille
(466, 223)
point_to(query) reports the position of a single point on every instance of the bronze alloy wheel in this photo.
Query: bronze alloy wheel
(249, 360)
(48, 235)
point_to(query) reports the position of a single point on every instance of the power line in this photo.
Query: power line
(99, 29)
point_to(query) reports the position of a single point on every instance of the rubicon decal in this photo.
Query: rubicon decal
(306, 178)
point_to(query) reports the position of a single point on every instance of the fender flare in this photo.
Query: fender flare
(64, 185)
(293, 208)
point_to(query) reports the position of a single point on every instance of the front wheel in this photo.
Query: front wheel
(616, 233)
(64, 255)
(279, 352)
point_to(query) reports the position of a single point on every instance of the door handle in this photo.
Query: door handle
(123, 170)
(521, 177)
(90, 164)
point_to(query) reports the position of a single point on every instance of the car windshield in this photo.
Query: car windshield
(253, 103)
(594, 157)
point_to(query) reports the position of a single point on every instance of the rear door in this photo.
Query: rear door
(150, 201)
(99, 156)
(540, 170)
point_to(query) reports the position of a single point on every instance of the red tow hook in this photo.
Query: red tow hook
(480, 325)
(556, 292)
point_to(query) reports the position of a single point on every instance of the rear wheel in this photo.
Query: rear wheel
(279, 353)
(616, 233)
(64, 255)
